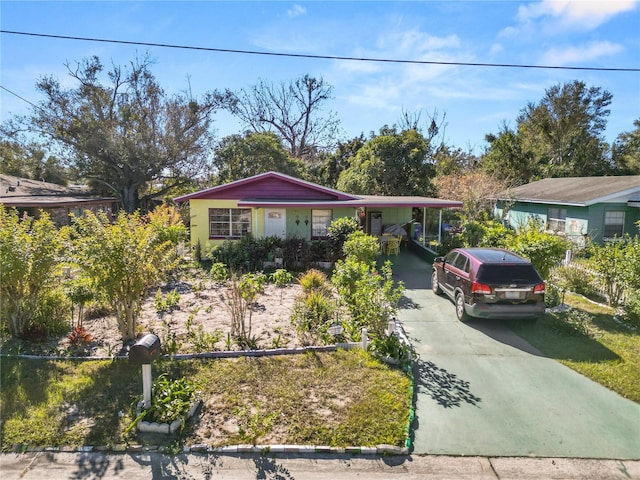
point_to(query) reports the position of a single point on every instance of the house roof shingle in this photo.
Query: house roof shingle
(24, 192)
(579, 191)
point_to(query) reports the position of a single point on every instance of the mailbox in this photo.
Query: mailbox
(145, 350)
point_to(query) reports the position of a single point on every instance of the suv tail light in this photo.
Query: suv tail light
(477, 287)
(539, 288)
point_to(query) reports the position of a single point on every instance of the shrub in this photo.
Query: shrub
(167, 303)
(219, 272)
(361, 247)
(631, 310)
(239, 300)
(281, 277)
(496, 234)
(80, 293)
(233, 254)
(553, 296)
(544, 250)
(391, 346)
(338, 232)
(320, 251)
(370, 296)
(297, 253)
(574, 278)
(574, 323)
(313, 280)
(313, 314)
(171, 399)
(53, 312)
(28, 265)
(610, 262)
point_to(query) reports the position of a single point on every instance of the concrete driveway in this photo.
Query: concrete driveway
(482, 390)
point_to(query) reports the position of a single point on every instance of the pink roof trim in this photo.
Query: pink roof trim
(203, 194)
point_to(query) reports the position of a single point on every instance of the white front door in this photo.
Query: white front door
(275, 222)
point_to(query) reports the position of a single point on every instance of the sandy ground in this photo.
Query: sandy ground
(203, 316)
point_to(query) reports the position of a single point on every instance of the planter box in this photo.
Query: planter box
(166, 428)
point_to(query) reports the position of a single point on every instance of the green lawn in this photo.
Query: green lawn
(597, 347)
(338, 399)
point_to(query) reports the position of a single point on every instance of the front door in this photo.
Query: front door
(275, 222)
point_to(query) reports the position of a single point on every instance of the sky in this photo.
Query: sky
(472, 100)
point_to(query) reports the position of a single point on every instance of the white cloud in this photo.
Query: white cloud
(587, 14)
(296, 11)
(579, 54)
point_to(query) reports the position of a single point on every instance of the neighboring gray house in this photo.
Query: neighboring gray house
(600, 208)
(32, 197)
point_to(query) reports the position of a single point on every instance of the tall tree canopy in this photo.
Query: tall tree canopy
(31, 161)
(391, 163)
(626, 151)
(238, 157)
(293, 111)
(561, 136)
(127, 135)
(565, 130)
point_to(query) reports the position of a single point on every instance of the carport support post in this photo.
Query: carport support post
(146, 385)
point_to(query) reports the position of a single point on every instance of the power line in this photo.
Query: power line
(320, 57)
(21, 98)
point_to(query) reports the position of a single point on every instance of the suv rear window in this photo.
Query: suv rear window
(505, 273)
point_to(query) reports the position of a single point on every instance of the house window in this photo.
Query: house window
(229, 222)
(557, 219)
(320, 221)
(613, 224)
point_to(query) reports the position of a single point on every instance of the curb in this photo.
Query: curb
(225, 450)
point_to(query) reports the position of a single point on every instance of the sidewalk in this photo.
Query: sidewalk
(89, 466)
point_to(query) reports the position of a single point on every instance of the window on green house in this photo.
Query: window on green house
(320, 221)
(613, 225)
(557, 219)
(229, 222)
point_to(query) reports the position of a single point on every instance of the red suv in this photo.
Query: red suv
(489, 283)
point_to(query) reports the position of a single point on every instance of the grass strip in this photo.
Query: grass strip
(338, 399)
(598, 347)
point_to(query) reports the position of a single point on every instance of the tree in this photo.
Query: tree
(128, 135)
(292, 111)
(328, 172)
(449, 160)
(476, 189)
(29, 162)
(506, 158)
(122, 259)
(565, 130)
(29, 264)
(626, 151)
(391, 163)
(238, 157)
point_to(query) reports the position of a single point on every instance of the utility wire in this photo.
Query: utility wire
(16, 95)
(321, 57)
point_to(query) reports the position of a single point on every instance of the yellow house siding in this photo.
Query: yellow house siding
(200, 220)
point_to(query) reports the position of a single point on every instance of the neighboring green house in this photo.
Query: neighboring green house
(598, 208)
(274, 204)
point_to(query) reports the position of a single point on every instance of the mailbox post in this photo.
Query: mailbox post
(143, 352)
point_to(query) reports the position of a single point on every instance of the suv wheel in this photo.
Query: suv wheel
(435, 286)
(460, 313)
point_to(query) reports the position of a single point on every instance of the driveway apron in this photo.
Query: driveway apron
(482, 390)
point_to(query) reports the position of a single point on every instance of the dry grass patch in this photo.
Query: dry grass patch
(339, 399)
